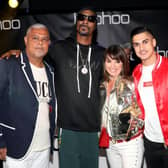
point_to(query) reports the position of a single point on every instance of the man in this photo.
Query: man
(78, 65)
(151, 83)
(28, 102)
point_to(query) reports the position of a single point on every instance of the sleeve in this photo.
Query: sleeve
(3, 87)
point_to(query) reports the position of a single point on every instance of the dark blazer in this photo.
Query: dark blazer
(19, 105)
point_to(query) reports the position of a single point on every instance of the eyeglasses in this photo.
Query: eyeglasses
(81, 17)
(37, 39)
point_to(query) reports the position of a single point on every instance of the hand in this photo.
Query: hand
(9, 53)
(3, 152)
(136, 127)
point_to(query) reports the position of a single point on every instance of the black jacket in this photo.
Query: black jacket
(75, 110)
(19, 105)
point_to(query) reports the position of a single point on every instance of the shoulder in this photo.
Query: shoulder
(9, 65)
(164, 59)
(59, 46)
(62, 42)
(98, 47)
(49, 66)
(9, 61)
(137, 69)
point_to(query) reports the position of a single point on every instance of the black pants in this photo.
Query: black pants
(156, 154)
(1, 164)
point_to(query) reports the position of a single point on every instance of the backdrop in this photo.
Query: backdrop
(113, 27)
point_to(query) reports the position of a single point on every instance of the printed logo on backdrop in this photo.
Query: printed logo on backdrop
(106, 18)
(10, 24)
(162, 52)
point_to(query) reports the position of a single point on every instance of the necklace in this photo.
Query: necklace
(84, 61)
(84, 69)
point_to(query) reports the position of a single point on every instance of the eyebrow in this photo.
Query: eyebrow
(137, 42)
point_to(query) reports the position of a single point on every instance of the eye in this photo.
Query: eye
(145, 41)
(45, 40)
(118, 61)
(35, 38)
(135, 45)
(108, 60)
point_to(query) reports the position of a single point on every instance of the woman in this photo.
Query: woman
(120, 112)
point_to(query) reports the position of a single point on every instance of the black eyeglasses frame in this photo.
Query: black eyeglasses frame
(82, 17)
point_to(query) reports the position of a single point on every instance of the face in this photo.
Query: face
(113, 67)
(37, 42)
(144, 45)
(86, 22)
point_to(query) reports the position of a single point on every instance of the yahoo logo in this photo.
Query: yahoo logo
(162, 52)
(113, 18)
(106, 18)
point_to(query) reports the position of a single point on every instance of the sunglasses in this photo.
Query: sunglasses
(81, 17)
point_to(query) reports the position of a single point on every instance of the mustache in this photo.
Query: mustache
(83, 25)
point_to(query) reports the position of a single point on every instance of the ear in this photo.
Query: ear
(154, 42)
(25, 39)
(49, 43)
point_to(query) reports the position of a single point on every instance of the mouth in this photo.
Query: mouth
(143, 52)
(83, 26)
(84, 30)
(39, 48)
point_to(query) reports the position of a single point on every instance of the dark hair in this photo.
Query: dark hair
(141, 29)
(116, 52)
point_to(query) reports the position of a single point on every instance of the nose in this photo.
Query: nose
(141, 46)
(40, 41)
(85, 20)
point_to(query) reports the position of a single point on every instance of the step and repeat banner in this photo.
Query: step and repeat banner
(113, 27)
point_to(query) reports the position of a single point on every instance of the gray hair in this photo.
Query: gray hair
(36, 26)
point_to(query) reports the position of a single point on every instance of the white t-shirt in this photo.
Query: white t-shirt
(41, 138)
(152, 124)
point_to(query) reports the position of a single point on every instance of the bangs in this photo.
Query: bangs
(116, 57)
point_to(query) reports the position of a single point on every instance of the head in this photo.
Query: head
(115, 62)
(144, 43)
(37, 41)
(86, 22)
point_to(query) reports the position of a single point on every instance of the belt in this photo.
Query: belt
(114, 141)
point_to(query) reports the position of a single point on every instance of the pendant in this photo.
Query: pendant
(84, 70)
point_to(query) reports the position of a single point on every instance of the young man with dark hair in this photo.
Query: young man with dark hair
(151, 83)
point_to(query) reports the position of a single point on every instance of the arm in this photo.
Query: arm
(3, 152)
(10, 53)
(3, 85)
